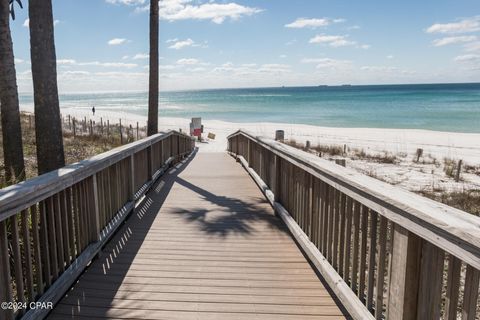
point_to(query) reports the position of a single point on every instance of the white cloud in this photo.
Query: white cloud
(173, 10)
(390, 56)
(389, 71)
(379, 68)
(26, 23)
(119, 74)
(127, 2)
(282, 56)
(182, 44)
(198, 69)
(142, 9)
(116, 41)
(452, 40)
(463, 26)
(18, 60)
(471, 47)
(188, 61)
(308, 23)
(125, 57)
(333, 41)
(66, 61)
(75, 73)
(140, 56)
(467, 58)
(312, 23)
(469, 62)
(108, 64)
(73, 62)
(274, 68)
(166, 67)
(328, 63)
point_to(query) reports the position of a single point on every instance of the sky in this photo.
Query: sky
(103, 45)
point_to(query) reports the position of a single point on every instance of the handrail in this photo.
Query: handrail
(318, 192)
(22, 195)
(53, 225)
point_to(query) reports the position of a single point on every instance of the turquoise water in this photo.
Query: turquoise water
(442, 107)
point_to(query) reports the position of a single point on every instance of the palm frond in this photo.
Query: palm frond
(12, 7)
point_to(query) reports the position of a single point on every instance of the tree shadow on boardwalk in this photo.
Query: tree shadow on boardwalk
(230, 215)
(143, 273)
(99, 285)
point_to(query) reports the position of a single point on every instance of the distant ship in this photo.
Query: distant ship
(346, 85)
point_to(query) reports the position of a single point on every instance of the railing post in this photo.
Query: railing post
(96, 211)
(178, 146)
(236, 151)
(5, 284)
(131, 185)
(404, 276)
(278, 178)
(249, 153)
(151, 169)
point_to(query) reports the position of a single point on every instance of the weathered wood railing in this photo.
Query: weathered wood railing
(385, 252)
(53, 225)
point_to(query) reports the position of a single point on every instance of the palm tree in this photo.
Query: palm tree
(11, 128)
(153, 76)
(48, 127)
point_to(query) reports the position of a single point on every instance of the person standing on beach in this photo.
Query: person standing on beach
(93, 110)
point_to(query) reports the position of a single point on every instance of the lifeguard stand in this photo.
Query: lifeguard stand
(196, 128)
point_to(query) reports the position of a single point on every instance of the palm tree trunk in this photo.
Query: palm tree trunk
(153, 77)
(11, 129)
(48, 128)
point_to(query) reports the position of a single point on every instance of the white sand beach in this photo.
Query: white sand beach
(402, 143)
(465, 146)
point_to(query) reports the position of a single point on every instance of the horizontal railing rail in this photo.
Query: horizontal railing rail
(53, 225)
(386, 252)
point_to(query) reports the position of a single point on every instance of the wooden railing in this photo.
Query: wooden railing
(385, 252)
(53, 225)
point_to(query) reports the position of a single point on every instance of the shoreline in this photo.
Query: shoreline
(439, 144)
(367, 148)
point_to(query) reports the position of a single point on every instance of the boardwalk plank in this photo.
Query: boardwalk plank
(204, 244)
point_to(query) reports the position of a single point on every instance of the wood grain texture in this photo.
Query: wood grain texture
(203, 244)
(454, 231)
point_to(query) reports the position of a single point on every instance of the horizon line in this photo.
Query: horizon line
(263, 87)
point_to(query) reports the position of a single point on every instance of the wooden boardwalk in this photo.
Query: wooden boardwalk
(204, 244)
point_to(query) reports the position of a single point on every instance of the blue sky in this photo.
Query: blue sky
(102, 45)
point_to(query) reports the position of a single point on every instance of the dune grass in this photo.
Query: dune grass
(77, 148)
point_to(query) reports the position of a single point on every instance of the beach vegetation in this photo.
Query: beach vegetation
(466, 200)
(383, 157)
(80, 147)
(450, 167)
(472, 169)
(333, 150)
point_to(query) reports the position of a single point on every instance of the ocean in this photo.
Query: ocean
(440, 107)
